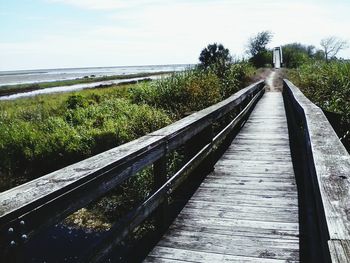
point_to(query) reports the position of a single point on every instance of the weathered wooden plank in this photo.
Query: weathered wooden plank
(233, 193)
(233, 245)
(245, 152)
(247, 207)
(67, 178)
(48, 199)
(339, 250)
(242, 223)
(244, 200)
(226, 226)
(229, 182)
(24, 198)
(256, 186)
(329, 162)
(274, 215)
(163, 254)
(232, 207)
(241, 178)
(253, 169)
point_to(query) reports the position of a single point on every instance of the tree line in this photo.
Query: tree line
(216, 56)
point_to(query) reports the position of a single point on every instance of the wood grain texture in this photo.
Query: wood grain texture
(246, 210)
(50, 198)
(339, 250)
(330, 162)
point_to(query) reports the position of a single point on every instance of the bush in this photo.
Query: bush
(191, 90)
(31, 147)
(180, 93)
(326, 84)
(216, 58)
(43, 134)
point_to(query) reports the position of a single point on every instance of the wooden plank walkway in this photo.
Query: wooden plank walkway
(247, 209)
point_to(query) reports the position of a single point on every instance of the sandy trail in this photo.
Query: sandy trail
(274, 81)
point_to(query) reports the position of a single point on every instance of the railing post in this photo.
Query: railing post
(194, 145)
(208, 138)
(160, 178)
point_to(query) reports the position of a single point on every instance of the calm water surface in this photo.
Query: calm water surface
(43, 75)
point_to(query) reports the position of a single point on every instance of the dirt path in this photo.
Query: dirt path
(274, 81)
(273, 77)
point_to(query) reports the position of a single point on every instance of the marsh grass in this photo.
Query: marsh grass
(328, 86)
(45, 133)
(41, 134)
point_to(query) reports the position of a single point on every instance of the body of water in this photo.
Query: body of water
(75, 87)
(44, 75)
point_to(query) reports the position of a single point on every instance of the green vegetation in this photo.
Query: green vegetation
(260, 56)
(41, 134)
(193, 90)
(296, 54)
(328, 86)
(215, 57)
(12, 89)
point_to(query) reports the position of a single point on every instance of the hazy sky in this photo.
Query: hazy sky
(81, 33)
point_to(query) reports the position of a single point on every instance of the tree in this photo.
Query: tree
(256, 48)
(296, 54)
(258, 43)
(216, 57)
(319, 55)
(332, 45)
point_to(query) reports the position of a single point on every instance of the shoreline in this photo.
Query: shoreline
(11, 90)
(77, 87)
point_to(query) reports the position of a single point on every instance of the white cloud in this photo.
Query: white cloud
(175, 32)
(102, 4)
(92, 4)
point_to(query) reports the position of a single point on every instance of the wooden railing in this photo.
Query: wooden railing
(28, 209)
(322, 167)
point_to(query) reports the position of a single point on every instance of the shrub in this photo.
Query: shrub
(181, 92)
(326, 84)
(31, 147)
(216, 58)
(191, 90)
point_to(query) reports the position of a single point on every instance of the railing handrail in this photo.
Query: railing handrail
(331, 163)
(73, 187)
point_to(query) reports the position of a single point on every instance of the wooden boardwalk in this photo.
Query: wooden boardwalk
(247, 209)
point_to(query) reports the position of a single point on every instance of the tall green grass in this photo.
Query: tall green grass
(192, 90)
(326, 84)
(42, 134)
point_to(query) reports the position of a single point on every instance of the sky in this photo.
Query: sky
(37, 34)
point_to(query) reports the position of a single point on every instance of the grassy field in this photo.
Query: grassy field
(45, 133)
(41, 134)
(328, 86)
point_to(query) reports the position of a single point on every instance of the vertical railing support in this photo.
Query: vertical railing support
(193, 146)
(160, 178)
(208, 138)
